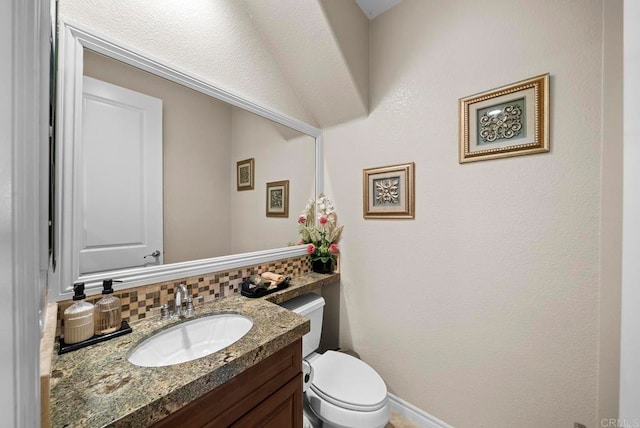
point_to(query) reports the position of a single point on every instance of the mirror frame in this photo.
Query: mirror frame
(73, 38)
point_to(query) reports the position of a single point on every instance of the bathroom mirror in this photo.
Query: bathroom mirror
(176, 176)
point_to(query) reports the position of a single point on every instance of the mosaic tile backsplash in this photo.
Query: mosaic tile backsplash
(139, 302)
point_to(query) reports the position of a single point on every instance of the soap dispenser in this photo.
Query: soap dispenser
(108, 315)
(78, 318)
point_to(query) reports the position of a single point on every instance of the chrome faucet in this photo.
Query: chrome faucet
(182, 295)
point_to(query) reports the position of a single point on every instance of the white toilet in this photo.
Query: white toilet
(339, 390)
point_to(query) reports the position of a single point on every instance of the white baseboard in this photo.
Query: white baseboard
(412, 413)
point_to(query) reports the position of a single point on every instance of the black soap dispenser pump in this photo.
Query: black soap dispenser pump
(108, 311)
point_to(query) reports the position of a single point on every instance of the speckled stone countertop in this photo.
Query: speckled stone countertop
(302, 285)
(97, 386)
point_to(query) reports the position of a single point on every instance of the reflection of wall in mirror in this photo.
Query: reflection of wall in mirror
(280, 154)
(196, 167)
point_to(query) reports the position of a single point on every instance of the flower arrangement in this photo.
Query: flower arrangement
(322, 238)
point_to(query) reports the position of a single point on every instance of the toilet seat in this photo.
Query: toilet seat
(348, 382)
(335, 416)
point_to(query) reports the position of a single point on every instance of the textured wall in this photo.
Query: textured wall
(350, 28)
(483, 310)
(324, 60)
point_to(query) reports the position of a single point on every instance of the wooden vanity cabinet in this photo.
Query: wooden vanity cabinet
(268, 394)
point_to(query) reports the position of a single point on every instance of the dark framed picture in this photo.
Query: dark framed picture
(388, 192)
(278, 199)
(244, 174)
(509, 121)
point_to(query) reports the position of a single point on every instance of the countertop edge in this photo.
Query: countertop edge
(47, 343)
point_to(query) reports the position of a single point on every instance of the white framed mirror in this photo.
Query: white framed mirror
(83, 55)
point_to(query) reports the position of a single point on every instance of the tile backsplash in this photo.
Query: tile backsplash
(138, 302)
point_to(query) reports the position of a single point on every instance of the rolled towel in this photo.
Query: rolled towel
(259, 281)
(275, 278)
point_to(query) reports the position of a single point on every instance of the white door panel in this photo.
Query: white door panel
(122, 178)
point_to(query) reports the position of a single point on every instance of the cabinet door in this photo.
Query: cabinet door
(236, 398)
(282, 410)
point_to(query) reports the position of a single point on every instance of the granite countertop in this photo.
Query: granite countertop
(97, 386)
(302, 285)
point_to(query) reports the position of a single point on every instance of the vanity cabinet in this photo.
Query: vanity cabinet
(268, 394)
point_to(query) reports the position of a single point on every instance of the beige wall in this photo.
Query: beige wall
(351, 30)
(483, 311)
(277, 158)
(196, 168)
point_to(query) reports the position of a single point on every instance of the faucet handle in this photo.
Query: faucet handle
(190, 307)
(164, 311)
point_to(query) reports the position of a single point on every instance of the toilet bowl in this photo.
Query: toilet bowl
(339, 390)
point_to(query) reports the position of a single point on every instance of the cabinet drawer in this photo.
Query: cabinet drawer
(282, 410)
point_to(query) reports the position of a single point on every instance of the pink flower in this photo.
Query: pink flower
(323, 219)
(311, 248)
(302, 219)
(333, 248)
(300, 243)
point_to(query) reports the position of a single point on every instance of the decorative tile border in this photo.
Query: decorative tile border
(138, 302)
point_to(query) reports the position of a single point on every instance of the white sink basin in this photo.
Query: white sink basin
(190, 340)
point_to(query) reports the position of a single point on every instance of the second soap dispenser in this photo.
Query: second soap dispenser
(108, 310)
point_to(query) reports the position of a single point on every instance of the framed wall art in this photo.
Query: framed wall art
(509, 121)
(388, 192)
(244, 174)
(278, 199)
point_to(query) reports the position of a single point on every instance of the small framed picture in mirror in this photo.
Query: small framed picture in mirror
(244, 171)
(278, 199)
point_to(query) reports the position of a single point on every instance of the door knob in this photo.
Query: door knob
(156, 253)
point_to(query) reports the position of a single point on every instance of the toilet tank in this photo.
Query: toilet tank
(310, 306)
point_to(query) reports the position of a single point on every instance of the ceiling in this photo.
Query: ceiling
(373, 8)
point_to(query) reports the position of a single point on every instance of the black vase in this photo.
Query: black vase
(322, 267)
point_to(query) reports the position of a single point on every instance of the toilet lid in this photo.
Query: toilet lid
(348, 382)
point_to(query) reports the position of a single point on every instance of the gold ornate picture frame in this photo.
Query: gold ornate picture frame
(389, 192)
(245, 174)
(509, 121)
(278, 199)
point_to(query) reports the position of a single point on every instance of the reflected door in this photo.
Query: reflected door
(121, 202)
